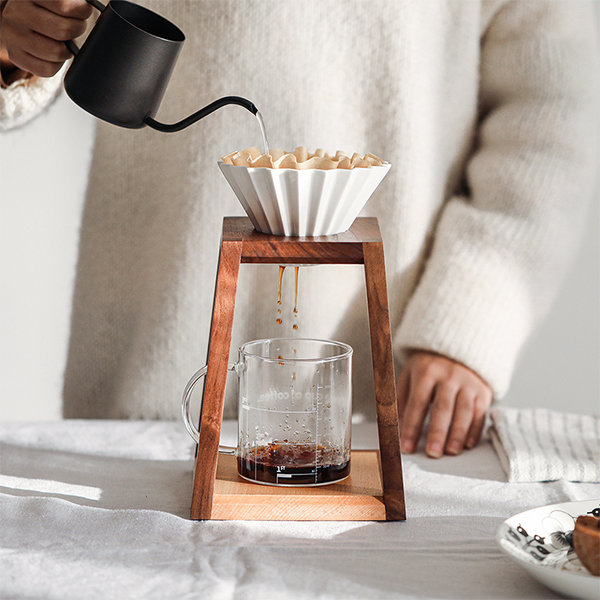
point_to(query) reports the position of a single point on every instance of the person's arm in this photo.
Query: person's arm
(500, 249)
(32, 52)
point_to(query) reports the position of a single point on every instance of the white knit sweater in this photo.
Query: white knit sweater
(486, 111)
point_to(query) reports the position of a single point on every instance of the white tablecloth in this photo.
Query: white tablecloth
(99, 509)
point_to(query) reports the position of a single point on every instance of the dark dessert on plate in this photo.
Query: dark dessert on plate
(586, 541)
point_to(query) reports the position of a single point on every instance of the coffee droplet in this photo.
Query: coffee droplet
(295, 311)
(296, 269)
(281, 270)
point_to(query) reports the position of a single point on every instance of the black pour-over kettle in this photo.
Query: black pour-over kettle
(121, 72)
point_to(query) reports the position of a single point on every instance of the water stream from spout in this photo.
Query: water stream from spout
(263, 131)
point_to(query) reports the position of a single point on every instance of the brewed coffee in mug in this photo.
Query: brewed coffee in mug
(294, 411)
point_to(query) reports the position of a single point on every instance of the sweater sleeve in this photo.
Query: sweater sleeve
(25, 99)
(500, 249)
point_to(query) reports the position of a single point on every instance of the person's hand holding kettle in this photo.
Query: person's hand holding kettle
(34, 32)
(122, 70)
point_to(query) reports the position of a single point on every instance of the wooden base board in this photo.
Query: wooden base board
(357, 498)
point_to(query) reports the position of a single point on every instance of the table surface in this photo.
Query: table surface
(98, 509)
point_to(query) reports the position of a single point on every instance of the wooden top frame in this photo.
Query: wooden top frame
(342, 248)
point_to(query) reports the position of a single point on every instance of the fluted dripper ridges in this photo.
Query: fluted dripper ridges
(309, 202)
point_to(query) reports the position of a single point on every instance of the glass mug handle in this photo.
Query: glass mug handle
(185, 406)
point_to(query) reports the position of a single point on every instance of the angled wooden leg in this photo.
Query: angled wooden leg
(216, 378)
(385, 383)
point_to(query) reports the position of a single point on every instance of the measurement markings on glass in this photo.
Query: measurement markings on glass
(296, 475)
(317, 437)
(273, 410)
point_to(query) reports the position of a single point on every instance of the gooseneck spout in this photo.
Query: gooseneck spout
(203, 112)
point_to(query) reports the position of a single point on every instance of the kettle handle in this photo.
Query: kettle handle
(70, 44)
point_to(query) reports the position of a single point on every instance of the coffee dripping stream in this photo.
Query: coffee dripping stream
(279, 319)
(301, 462)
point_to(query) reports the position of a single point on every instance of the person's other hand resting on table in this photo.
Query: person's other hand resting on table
(454, 395)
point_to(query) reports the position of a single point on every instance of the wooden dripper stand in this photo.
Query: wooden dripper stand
(374, 490)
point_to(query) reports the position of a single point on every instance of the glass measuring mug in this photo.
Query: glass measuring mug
(294, 411)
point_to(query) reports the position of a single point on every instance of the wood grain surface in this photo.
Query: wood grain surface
(216, 379)
(342, 248)
(357, 498)
(385, 381)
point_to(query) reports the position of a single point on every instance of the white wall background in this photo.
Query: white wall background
(43, 174)
(43, 171)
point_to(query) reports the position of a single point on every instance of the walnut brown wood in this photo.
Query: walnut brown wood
(384, 380)
(240, 243)
(216, 379)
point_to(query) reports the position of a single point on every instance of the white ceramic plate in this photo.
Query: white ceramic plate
(540, 540)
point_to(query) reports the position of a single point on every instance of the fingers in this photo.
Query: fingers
(482, 403)
(420, 391)
(442, 410)
(31, 64)
(75, 9)
(54, 26)
(461, 421)
(34, 32)
(47, 50)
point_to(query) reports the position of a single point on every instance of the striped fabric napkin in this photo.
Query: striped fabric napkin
(544, 445)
